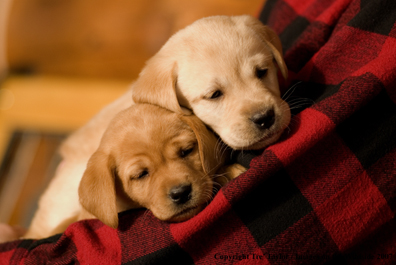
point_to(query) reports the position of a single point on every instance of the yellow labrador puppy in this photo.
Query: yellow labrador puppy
(224, 69)
(152, 158)
(148, 157)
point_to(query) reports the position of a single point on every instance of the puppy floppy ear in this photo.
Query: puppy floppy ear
(271, 39)
(157, 84)
(97, 191)
(210, 152)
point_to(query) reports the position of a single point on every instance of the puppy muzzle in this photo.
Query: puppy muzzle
(180, 194)
(264, 120)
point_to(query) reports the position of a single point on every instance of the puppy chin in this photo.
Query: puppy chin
(260, 143)
(186, 214)
(264, 142)
(183, 214)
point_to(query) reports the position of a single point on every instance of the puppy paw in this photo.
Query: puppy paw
(235, 170)
(228, 173)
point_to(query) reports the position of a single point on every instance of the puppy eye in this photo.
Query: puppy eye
(261, 73)
(142, 174)
(185, 152)
(215, 94)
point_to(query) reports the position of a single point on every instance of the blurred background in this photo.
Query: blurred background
(60, 63)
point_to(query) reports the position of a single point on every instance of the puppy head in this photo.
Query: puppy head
(224, 69)
(153, 158)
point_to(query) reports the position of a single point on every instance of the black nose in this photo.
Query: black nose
(264, 120)
(180, 194)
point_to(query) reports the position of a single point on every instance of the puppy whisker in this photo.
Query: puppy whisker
(221, 149)
(300, 100)
(290, 91)
(145, 215)
(217, 182)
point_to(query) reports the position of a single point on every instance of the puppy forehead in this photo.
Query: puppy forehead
(218, 34)
(153, 124)
(143, 119)
(228, 51)
(146, 130)
(141, 125)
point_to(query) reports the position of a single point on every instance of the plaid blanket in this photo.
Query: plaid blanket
(325, 194)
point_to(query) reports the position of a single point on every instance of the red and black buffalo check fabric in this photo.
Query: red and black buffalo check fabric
(325, 194)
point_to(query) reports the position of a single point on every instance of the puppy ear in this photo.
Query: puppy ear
(157, 84)
(211, 155)
(97, 190)
(271, 39)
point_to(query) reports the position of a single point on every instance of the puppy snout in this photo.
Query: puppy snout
(264, 120)
(180, 194)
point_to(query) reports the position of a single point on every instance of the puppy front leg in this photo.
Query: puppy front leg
(229, 172)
